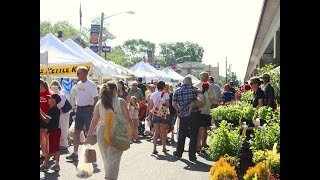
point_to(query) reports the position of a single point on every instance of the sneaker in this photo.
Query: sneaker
(55, 167)
(44, 168)
(73, 156)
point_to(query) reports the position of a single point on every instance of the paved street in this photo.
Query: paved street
(138, 163)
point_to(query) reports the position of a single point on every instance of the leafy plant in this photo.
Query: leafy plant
(224, 141)
(222, 170)
(265, 112)
(234, 112)
(260, 171)
(272, 136)
(272, 160)
(246, 96)
(248, 112)
(232, 160)
(219, 111)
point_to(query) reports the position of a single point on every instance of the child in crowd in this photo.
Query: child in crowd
(54, 133)
(197, 102)
(133, 113)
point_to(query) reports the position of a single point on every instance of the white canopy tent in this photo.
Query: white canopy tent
(143, 70)
(194, 79)
(62, 59)
(172, 74)
(122, 71)
(107, 70)
(164, 77)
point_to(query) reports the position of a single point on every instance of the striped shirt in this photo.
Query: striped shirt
(183, 97)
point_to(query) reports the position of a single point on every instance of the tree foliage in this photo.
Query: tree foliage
(137, 48)
(231, 77)
(67, 28)
(173, 51)
(118, 56)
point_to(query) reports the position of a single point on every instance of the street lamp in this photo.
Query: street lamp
(101, 26)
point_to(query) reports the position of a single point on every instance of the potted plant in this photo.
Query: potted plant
(260, 172)
(223, 170)
(234, 114)
(265, 114)
(248, 114)
(218, 114)
(224, 141)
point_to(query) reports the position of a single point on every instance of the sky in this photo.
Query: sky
(224, 28)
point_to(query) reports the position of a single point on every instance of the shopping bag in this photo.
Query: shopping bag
(90, 154)
(84, 170)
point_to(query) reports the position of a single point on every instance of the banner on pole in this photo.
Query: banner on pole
(94, 33)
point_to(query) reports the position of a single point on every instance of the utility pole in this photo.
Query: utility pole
(226, 70)
(100, 35)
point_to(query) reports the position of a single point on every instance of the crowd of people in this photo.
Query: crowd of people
(158, 104)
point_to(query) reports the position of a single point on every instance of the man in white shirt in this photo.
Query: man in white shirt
(86, 96)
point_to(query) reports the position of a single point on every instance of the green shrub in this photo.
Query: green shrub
(248, 111)
(272, 136)
(224, 141)
(246, 97)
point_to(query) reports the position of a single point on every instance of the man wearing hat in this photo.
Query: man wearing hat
(268, 91)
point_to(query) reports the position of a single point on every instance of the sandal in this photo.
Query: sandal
(154, 152)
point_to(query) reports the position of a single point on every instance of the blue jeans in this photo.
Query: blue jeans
(188, 125)
(83, 118)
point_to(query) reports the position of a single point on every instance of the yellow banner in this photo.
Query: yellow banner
(64, 70)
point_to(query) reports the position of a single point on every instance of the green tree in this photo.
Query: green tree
(45, 28)
(118, 56)
(67, 29)
(231, 77)
(137, 48)
(173, 51)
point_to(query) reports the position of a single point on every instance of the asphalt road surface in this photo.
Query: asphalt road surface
(138, 163)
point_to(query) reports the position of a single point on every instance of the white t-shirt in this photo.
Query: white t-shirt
(85, 92)
(155, 96)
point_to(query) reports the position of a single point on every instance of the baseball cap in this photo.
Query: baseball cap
(265, 76)
(56, 97)
(205, 85)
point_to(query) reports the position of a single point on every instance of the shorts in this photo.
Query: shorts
(205, 120)
(43, 125)
(53, 141)
(157, 119)
(83, 118)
